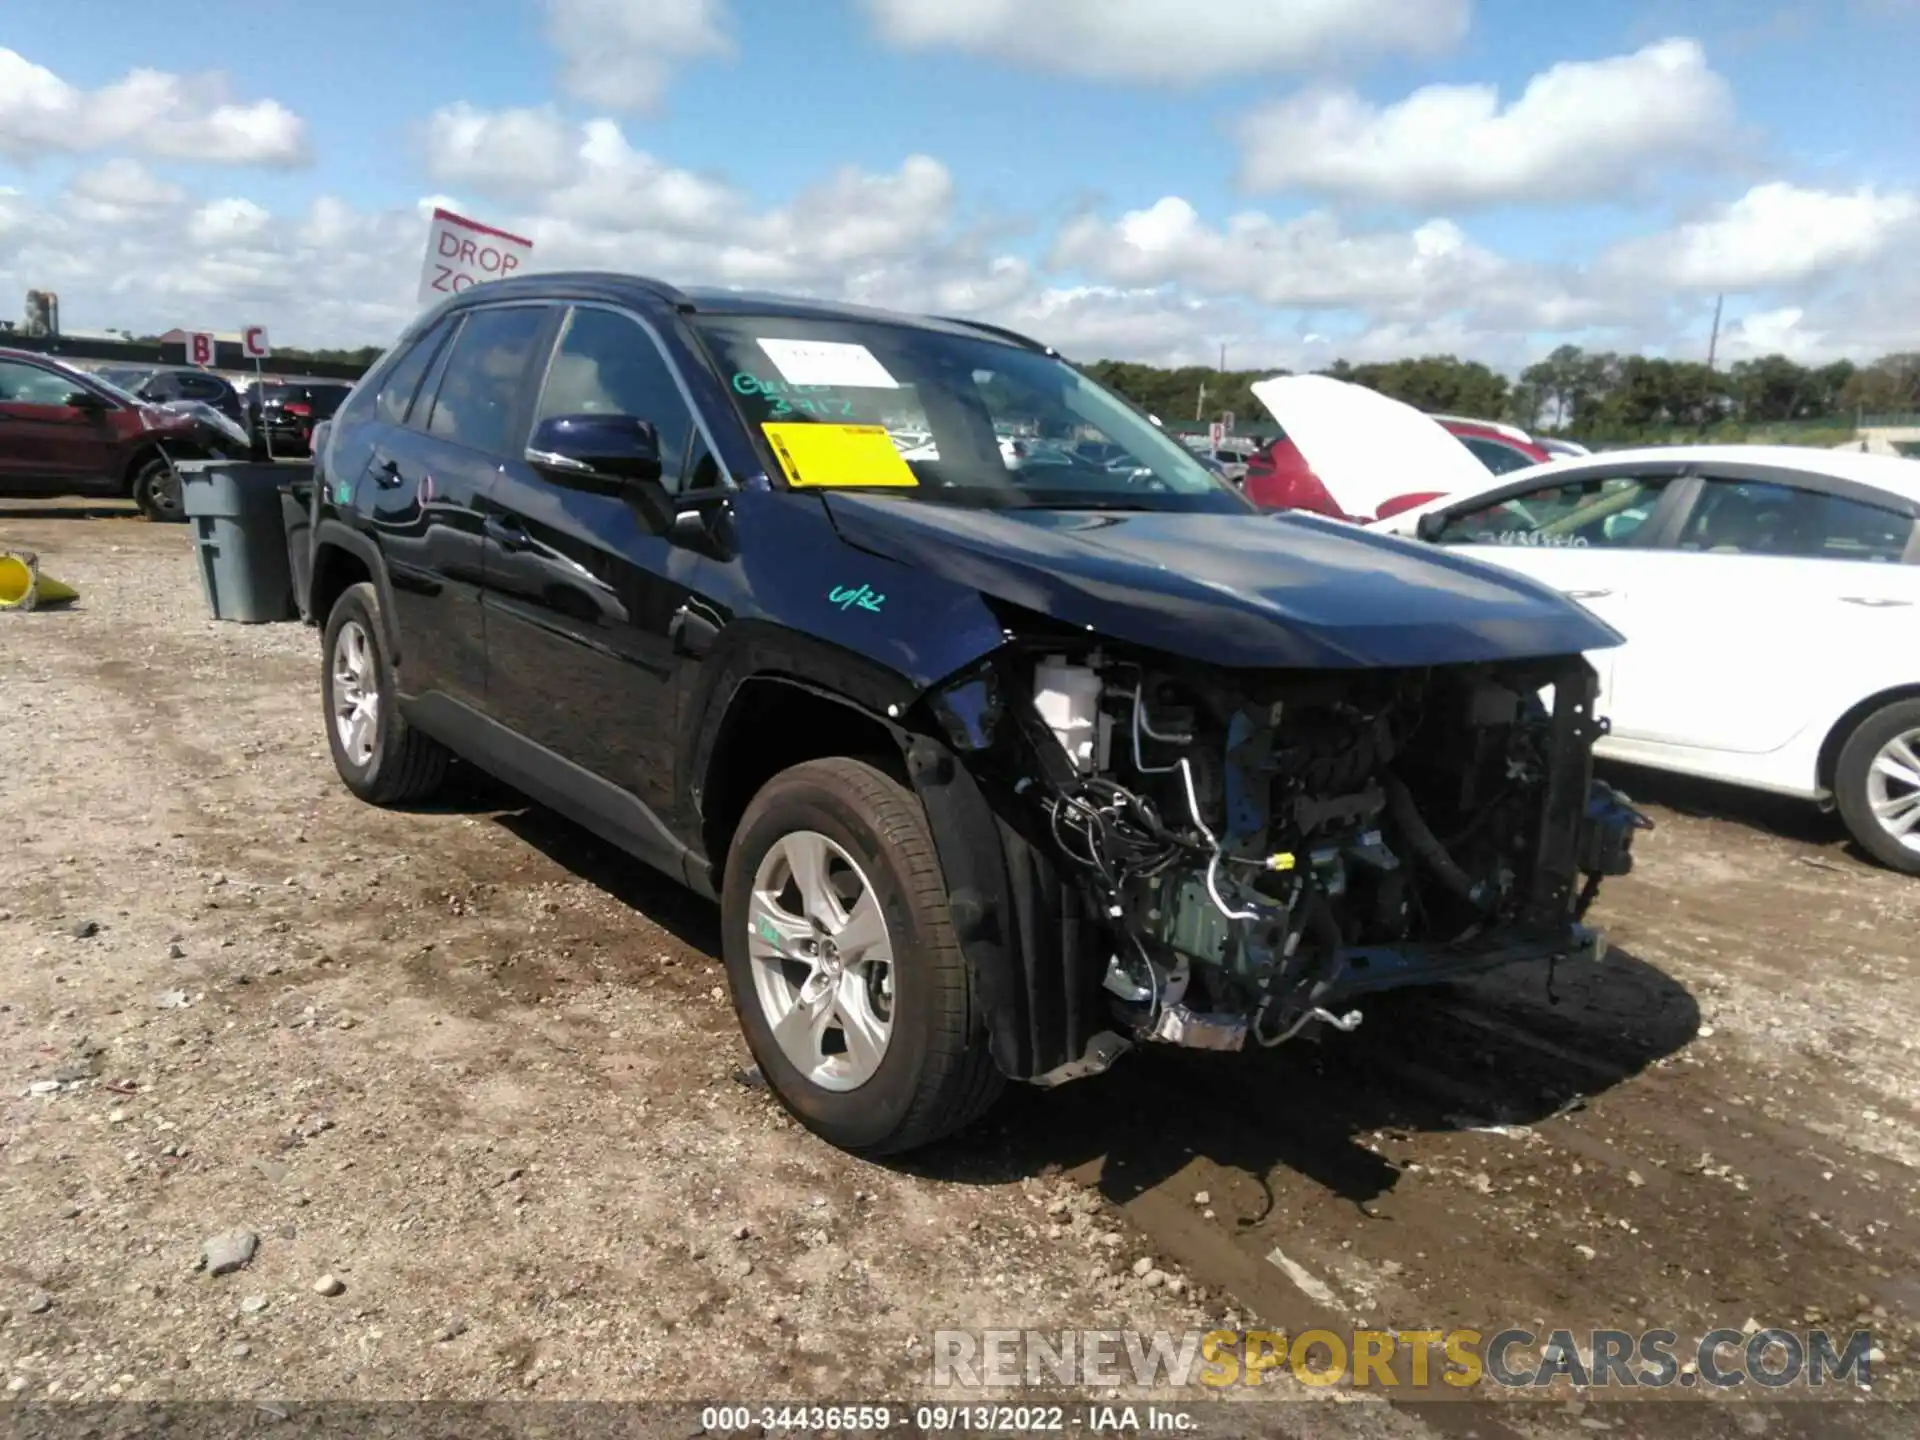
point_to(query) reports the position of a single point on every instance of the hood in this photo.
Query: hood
(1365, 448)
(1269, 590)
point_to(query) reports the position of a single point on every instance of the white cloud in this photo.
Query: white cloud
(1310, 262)
(622, 54)
(1775, 332)
(1172, 42)
(1160, 283)
(339, 275)
(500, 151)
(586, 173)
(181, 117)
(1581, 129)
(118, 190)
(1775, 234)
(227, 222)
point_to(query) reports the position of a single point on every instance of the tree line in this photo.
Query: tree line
(1591, 394)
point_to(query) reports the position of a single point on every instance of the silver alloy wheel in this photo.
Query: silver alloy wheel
(822, 960)
(1893, 788)
(356, 696)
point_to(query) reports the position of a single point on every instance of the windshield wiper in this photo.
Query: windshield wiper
(1097, 502)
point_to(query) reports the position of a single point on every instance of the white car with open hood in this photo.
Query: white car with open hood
(1770, 596)
(1351, 452)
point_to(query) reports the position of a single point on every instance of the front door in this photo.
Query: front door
(580, 599)
(46, 443)
(425, 483)
(1586, 535)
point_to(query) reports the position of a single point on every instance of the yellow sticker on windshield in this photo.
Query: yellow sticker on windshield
(814, 454)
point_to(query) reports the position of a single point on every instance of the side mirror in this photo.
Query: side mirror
(85, 400)
(620, 448)
(617, 454)
(1429, 525)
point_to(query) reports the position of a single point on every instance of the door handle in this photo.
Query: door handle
(507, 534)
(1874, 602)
(1587, 594)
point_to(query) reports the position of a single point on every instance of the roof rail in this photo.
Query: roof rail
(671, 294)
(1500, 427)
(1026, 342)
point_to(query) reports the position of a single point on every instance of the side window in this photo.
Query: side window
(1500, 459)
(607, 365)
(1573, 514)
(475, 398)
(30, 385)
(1746, 517)
(395, 396)
(200, 387)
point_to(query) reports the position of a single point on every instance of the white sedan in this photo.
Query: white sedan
(1770, 598)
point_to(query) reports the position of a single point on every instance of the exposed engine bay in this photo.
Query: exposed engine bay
(1262, 848)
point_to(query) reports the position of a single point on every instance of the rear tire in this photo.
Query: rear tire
(931, 1074)
(382, 759)
(156, 490)
(1873, 795)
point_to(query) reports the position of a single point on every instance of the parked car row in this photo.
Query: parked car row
(64, 431)
(279, 417)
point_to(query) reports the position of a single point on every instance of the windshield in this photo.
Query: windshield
(124, 380)
(870, 405)
(106, 380)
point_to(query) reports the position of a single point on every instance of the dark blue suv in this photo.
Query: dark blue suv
(1006, 735)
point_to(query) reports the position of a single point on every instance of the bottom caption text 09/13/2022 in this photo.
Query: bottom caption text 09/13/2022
(977, 1419)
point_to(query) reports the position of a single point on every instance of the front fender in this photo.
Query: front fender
(1035, 955)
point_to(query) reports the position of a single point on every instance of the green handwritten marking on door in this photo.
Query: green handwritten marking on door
(850, 598)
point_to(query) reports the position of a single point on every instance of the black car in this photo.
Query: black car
(996, 769)
(289, 411)
(165, 384)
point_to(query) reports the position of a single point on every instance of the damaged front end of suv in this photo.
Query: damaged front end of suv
(1235, 856)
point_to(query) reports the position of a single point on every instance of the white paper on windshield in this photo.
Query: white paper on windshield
(827, 362)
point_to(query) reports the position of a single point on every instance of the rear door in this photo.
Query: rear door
(1780, 603)
(423, 486)
(1587, 534)
(44, 441)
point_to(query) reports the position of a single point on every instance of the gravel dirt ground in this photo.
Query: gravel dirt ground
(470, 1081)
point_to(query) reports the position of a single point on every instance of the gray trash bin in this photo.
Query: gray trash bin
(234, 507)
(296, 518)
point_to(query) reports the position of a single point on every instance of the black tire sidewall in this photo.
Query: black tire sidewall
(1850, 783)
(147, 482)
(803, 799)
(359, 603)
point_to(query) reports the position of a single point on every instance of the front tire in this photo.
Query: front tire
(156, 490)
(1876, 785)
(382, 759)
(846, 976)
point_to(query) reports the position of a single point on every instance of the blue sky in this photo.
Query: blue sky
(1046, 137)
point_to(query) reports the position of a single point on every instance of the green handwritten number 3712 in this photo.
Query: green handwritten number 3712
(849, 598)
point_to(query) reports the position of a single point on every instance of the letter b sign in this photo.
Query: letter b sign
(200, 348)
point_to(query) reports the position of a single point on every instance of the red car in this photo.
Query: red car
(66, 432)
(1499, 447)
(1372, 456)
